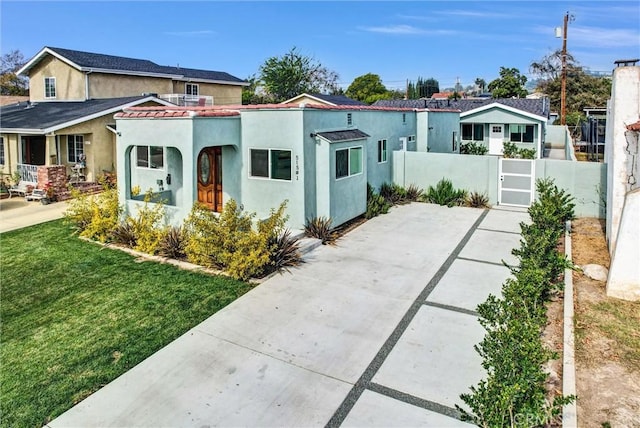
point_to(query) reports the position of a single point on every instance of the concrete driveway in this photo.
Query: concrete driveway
(377, 330)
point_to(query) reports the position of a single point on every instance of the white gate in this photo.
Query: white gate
(516, 184)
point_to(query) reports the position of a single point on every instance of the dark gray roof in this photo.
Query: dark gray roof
(134, 65)
(45, 115)
(538, 107)
(340, 100)
(345, 135)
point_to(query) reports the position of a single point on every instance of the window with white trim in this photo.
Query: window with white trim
(349, 119)
(348, 162)
(1, 150)
(191, 89)
(75, 148)
(473, 131)
(404, 117)
(382, 151)
(49, 87)
(411, 138)
(273, 164)
(521, 133)
(150, 157)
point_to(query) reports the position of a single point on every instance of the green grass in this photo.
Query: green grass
(76, 315)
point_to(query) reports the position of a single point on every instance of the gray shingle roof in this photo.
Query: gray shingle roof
(45, 115)
(340, 100)
(344, 135)
(538, 107)
(91, 60)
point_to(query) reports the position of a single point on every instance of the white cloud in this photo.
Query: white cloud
(475, 14)
(597, 37)
(407, 29)
(195, 33)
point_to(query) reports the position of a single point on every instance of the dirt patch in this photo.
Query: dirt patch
(607, 340)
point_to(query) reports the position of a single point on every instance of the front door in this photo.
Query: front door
(33, 150)
(496, 136)
(210, 178)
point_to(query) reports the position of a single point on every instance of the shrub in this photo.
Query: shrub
(147, 225)
(376, 203)
(512, 350)
(478, 200)
(320, 228)
(94, 216)
(528, 153)
(445, 194)
(172, 243)
(510, 150)
(229, 241)
(393, 193)
(473, 148)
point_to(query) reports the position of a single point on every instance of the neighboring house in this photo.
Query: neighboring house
(73, 96)
(492, 122)
(63, 133)
(319, 158)
(57, 74)
(322, 99)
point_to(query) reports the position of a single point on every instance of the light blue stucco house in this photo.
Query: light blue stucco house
(493, 121)
(318, 158)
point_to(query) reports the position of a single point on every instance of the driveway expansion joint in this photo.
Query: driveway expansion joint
(365, 379)
(452, 308)
(499, 231)
(415, 401)
(487, 262)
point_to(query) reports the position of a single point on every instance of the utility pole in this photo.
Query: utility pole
(563, 93)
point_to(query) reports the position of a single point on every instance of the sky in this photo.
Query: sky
(450, 41)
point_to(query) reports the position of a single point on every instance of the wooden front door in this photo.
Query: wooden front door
(210, 178)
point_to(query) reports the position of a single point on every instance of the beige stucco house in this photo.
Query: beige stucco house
(68, 119)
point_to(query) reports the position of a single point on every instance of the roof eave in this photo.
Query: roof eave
(22, 131)
(219, 82)
(62, 125)
(40, 55)
(503, 107)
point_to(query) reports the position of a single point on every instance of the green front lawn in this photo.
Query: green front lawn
(76, 315)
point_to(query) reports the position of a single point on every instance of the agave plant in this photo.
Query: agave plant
(173, 243)
(320, 228)
(285, 252)
(125, 234)
(478, 200)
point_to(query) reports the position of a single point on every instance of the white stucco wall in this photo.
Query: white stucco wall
(623, 110)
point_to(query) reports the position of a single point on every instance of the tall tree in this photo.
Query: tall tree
(10, 83)
(550, 66)
(510, 84)
(481, 84)
(293, 74)
(367, 88)
(423, 88)
(582, 90)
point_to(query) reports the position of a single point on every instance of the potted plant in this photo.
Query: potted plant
(50, 194)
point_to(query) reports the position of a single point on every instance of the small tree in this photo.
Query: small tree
(10, 82)
(293, 74)
(509, 84)
(367, 88)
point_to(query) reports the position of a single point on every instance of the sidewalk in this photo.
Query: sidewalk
(378, 331)
(16, 213)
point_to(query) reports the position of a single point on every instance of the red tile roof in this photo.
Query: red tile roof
(234, 110)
